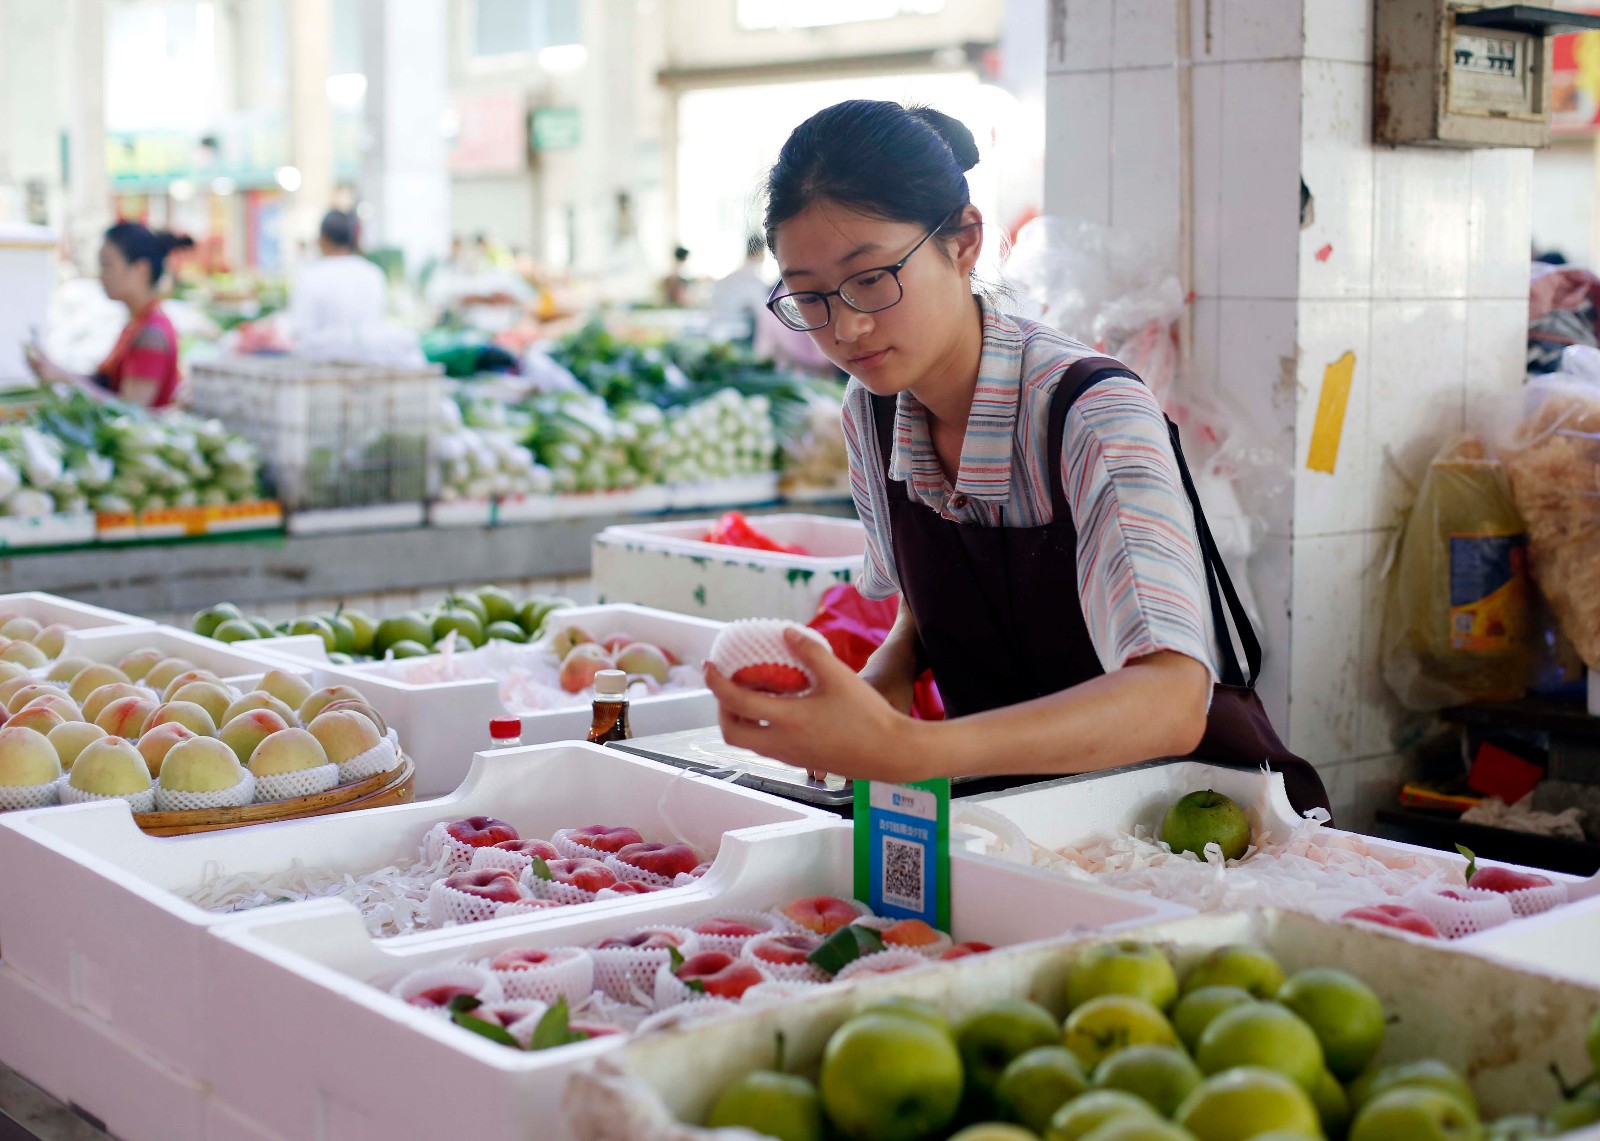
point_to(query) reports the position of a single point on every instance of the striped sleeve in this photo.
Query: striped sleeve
(879, 577)
(1140, 575)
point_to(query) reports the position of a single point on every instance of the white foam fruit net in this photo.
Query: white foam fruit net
(13, 796)
(882, 963)
(142, 801)
(757, 641)
(174, 800)
(627, 974)
(764, 923)
(572, 848)
(626, 871)
(475, 979)
(1466, 913)
(301, 782)
(756, 950)
(1534, 900)
(381, 758)
(448, 905)
(568, 973)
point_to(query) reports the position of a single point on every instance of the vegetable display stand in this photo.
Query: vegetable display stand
(397, 786)
(190, 522)
(62, 529)
(330, 436)
(672, 566)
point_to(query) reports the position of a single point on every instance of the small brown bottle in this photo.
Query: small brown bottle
(610, 708)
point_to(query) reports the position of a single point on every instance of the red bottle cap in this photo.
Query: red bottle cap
(505, 728)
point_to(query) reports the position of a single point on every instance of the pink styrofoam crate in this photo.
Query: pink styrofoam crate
(92, 1068)
(670, 565)
(442, 722)
(93, 914)
(51, 609)
(316, 978)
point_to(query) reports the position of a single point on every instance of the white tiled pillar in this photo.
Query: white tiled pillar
(1412, 260)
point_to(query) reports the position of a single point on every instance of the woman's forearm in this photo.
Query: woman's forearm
(897, 657)
(1152, 707)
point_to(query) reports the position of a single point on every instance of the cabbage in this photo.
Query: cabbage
(29, 502)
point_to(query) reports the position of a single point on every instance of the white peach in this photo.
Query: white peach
(72, 738)
(344, 734)
(39, 718)
(158, 742)
(63, 669)
(52, 639)
(256, 699)
(210, 696)
(25, 629)
(91, 678)
(26, 693)
(126, 716)
(323, 698)
(95, 704)
(191, 716)
(188, 677)
(160, 675)
(138, 663)
(200, 764)
(287, 751)
(25, 654)
(26, 758)
(60, 702)
(110, 767)
(245, 732)
(291, 689)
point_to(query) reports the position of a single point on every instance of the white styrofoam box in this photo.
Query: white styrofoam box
(91, 912)
(307, 979)
(1515, 1026)
(441, 723)
(27, 273)
(221, 658)
(1561, 941)
(1069, 811)
(59, 529)
(92, 1068)
(50, 609)
(671, 566)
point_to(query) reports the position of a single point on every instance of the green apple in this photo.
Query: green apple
(1161, 1075)
(236, 630)
(365, 628)
(890, 1078)
(908, 1007)
(778, 1105)
(1038, 1083)
(264, 629)
(406, 648)
(498, 605)
(992, 1038)
(1130, 1129)
(1262, 1034)
(1245, 1103)
(1196, 1009)
(505, 632)
(1203, 818)
(993, 1131)
(1576, 1112)
(206, 622)
(1083, 1115)
(464, 623)
(1343, 1012)
(1136, 969)
(1112, 1022)
(1248, 968)
(402, 628)
(309, 624)
(1415, 1114)
(344, 633)
(1333, 1105)
(1427, 1072)
(468, 602)
(534, 612)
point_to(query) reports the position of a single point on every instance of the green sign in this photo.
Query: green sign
(556, 129)
(902, 842)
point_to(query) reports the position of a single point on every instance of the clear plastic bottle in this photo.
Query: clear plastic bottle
(610, 708)
(505, 732)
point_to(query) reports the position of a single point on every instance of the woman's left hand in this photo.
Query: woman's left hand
(842, 726)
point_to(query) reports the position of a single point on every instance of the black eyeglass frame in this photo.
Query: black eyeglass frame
(827, 307)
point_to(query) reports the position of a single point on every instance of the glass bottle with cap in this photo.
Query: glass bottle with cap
(610, 708)
(505, 732)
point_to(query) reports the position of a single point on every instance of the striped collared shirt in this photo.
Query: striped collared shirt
(1140, 577)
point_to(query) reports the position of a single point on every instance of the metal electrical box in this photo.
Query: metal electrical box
(1460, 74)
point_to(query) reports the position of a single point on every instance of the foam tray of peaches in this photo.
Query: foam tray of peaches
(533, 998)
(165, 735)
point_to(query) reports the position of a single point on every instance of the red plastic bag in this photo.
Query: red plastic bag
(856, 626)
(734, 530)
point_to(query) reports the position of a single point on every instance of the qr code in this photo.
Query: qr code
(902, 874)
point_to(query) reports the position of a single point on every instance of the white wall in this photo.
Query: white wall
(1563, 200)
(1415, 263)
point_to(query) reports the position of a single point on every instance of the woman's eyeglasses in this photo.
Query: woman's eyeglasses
(869, 291)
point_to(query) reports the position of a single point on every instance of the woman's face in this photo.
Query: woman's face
(120, 279)
(893, 349)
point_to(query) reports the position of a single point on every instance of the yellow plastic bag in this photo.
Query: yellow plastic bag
(1457, 620)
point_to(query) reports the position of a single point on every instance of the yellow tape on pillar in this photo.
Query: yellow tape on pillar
(1331, 406)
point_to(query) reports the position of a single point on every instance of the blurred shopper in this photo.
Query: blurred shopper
(341, 294)
(676, 285)
(143, 365)
(740, 298)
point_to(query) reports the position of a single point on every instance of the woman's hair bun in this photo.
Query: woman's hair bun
(954, 133)
(169, 241)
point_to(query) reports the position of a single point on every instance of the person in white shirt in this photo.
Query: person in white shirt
(340, 296)
(741, 297)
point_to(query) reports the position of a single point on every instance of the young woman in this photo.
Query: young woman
(143, 365)
(1047, 556)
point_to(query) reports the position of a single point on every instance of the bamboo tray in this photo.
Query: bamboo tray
(397, 786)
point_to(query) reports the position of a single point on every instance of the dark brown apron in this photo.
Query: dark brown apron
(999, 619)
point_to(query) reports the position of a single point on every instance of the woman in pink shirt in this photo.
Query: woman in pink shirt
(142, 367)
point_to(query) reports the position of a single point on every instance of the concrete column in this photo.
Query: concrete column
(88, 205)
(404, 174)
(310, 123)
(1348, 337)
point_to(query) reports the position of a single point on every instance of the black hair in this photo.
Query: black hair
(902, 164)
(754, 246)
(680, 254)
(137, 242)
(341, 230)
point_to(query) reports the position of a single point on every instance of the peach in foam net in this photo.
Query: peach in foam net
(126, 716)
(96, 702)
(110, 767)
(344, 734)
(186, 713)
(201, 764)
(288, 688)
(257, 699)
(27, 758)
(287, 751)
(322, 698)
(92, 678)
(72, 738)
(158, 742)
(161, 675)
(213, 697)
(245, 732)
(137, 663)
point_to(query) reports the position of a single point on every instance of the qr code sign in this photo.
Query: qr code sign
(902, 874)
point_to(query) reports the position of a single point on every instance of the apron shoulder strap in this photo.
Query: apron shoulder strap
(1083, 375)
(883, 410)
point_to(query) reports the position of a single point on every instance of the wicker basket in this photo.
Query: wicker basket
(397, 786)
